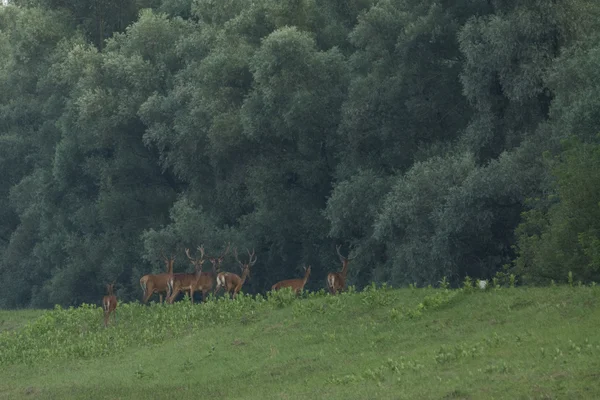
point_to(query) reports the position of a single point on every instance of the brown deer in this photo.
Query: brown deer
(157, 283)
(186, 281)
(232, 282)
(336, 281)
(297, 285)
(208, 279)
(109, 304)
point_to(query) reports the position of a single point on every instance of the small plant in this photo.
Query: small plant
(503, 276)
(281, 298)
(512, 280)
(444, 284)
(395, 314)
(570, 278)
(496, 282)
(468, 284)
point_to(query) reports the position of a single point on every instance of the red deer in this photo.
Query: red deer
(336, 281)
(186, 281)
(208, 279)
(157, 283)
(297, 285)
(232, 282)
(109, 304)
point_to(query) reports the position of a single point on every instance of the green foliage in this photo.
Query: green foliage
(563, 236)
(409, 131)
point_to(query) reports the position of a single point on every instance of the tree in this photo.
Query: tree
(561, 234)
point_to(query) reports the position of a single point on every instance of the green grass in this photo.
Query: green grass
(11, 320)
(523, 343)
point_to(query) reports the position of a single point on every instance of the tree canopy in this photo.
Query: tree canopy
(430, 138)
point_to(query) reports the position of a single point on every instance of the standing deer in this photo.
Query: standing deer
(109, 304)
(232, 282)
(157, 283)
(297, 285)
(336, 281)
(207, 279)
(186, 281)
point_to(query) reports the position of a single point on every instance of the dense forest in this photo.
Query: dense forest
(429, 138)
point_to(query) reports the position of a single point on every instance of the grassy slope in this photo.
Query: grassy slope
(506, 344)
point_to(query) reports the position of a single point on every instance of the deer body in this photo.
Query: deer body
(297, 285)
(336, 281)
(109, 304)
(157, 283)
(232, 282)
(186, 281)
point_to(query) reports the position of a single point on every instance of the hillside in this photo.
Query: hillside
(539, 343)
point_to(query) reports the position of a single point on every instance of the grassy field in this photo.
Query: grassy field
(11, 320)
(520, 343)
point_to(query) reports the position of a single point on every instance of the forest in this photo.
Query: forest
(431, 139)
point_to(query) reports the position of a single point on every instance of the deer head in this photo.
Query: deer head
(196, 262)
(216, 261)
(245, 267)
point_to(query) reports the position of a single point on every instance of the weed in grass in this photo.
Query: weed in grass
(496, 368)
(570, 278)
(373, 296)
(467, 284)
(444, 284)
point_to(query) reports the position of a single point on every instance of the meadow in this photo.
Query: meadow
(384, 343)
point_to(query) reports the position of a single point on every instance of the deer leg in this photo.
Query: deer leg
(173, 295)
(147, 296)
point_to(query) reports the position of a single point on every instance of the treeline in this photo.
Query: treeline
(430, 138)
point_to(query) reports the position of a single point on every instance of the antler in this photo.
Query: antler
(201, 248)
(337, 248)
(342, 258)
(222, 256)
(236, 256)
(250, 262)
(187, 253)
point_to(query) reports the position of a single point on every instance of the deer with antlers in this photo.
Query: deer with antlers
(233, 282)
(109, 304)
(157, 283)
(186, 281)
(336, 281)
(297, 285)
(207, 279)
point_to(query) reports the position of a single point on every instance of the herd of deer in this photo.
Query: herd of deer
(171, 284)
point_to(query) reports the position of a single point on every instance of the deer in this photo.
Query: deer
(297, 285)
(232, 282)
(186, 281)
(157, 283)
(109, 304)
(207, 279)
(336, 281)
